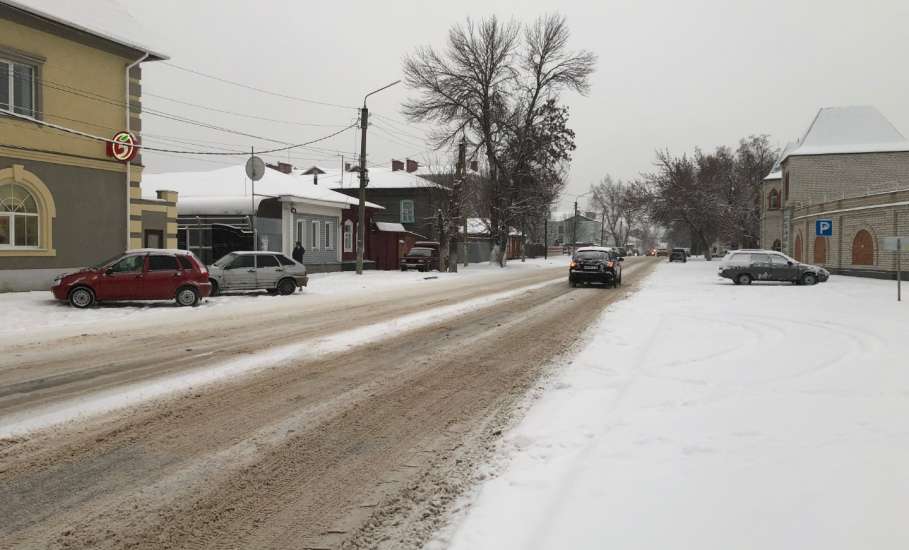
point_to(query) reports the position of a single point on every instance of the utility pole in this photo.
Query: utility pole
(574, 230)
(252, 198)
(364, 179)
(546, 236)
(457, 206)
(361, 208)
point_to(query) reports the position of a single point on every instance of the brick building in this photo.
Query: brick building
(851, 167)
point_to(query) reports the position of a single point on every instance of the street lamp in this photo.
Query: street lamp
(361, 210)
(574, 230)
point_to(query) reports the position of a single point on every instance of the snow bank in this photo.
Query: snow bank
(30, 316)
(705, 415)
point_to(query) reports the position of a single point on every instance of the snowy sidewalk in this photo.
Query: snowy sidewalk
(706, 415)
(27, 314)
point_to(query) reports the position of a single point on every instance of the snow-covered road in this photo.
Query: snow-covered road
(705, 415)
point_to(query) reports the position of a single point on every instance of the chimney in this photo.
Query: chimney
(396, 165)
(474, 166)
(412, 165)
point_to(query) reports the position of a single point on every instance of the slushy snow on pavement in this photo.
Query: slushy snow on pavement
(699, 414)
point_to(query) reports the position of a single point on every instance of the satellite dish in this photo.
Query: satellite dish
(255, 168)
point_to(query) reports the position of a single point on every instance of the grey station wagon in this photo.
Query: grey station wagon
(745, 266)
(269, 271)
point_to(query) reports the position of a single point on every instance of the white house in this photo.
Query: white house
(216, 210)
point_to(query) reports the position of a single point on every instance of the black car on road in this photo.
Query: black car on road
(745, 266)
(595, 264)
(678, 255)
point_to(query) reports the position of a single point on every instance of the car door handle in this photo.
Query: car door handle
(250, 270)
(279, 270)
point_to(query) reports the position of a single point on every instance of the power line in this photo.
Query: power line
(144, 147)
(225, 111)
(253, 88)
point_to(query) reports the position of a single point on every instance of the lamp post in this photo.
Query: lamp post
(364, 179)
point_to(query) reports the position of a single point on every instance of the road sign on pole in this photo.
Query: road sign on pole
(823, 228)
(897, 245)
(255, 169)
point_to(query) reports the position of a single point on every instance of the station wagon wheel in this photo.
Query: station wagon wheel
(743, 279)
(809, 279)
(286, 287)
(215, 289)
(187, 296)
(81, 297)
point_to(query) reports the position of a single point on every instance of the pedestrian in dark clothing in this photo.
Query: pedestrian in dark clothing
(298, 252)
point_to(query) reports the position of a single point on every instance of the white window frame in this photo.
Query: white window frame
(330, 237)
(301, 232)
(11, 83)
(413, 215)
(315, 235)
(11, 217)
(348, 236)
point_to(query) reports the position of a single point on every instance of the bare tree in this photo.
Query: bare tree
(495, 86)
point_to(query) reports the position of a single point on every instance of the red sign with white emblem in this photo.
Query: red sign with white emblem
(122, 147)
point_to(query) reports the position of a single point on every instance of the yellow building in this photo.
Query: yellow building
(65, 202)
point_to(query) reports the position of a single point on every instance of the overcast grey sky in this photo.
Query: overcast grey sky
(672, 73)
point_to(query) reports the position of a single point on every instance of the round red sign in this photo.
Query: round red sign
(122, 147)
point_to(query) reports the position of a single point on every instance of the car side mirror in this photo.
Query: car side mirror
(621, 258)
(109, 271)
(789, 264)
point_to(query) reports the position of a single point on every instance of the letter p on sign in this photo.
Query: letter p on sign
(823, 228)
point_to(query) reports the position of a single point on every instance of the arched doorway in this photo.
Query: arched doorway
(797, 253)
(777, 245)
(820, 250)
(863, 248)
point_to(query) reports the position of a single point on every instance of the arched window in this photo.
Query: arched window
(797, 253)
(820, 250)
(863, 248)
(773, 201)
(777, 245)
(19, 221)
(786, 186)
(348, 236)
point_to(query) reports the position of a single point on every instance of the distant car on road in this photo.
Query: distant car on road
(421, 258)
(662, 251)
(745, 266)
(247, 270)
(143, 274)
(595, 264)
(678, 255)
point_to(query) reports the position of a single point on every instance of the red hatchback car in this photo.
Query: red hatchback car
(147, 274)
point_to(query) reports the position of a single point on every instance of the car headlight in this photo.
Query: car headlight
(59, 278)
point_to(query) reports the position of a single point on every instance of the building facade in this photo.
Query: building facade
(64, 202)
(850, 168)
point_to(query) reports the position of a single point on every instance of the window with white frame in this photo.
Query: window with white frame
(301, 232)
(407, 211)
(330, 235)
(348, 236)
(314, 235)
(17, 88)
(18, 217)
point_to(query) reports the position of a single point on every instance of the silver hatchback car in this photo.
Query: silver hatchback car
(269, 271)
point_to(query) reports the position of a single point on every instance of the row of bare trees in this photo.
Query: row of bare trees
(496, 85)
(713, 196)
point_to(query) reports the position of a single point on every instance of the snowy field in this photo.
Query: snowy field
(32, 314)
(705, 415)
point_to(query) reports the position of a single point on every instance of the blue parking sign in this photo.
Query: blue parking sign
(823, 228)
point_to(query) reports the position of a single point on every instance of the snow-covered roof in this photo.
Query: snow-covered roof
(107, 19)
(379, 178)
(560, 216)
(855, 129)
(228, 189)
(390, 227)
(480, 226)
(776, 172)
(216, 206)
